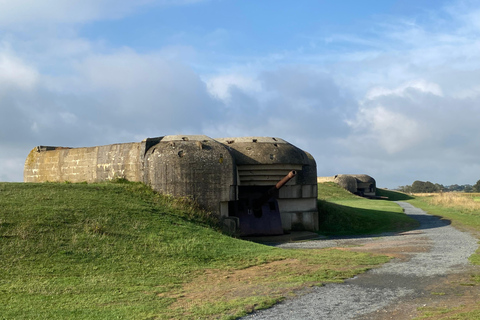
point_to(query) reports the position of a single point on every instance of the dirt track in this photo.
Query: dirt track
(430, 269)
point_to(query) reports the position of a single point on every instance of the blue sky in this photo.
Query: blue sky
(235, 27)
(387, 88)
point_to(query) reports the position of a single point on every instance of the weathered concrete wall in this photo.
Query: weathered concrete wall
(212, 172)
(84, 164)
(194, 166)
(347, 182)
(263, 161)
(360, 184)
(366, 185)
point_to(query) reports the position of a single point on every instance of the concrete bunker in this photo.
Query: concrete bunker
(359, 184)
(236, 178)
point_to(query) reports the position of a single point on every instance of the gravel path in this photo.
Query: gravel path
(440, 250)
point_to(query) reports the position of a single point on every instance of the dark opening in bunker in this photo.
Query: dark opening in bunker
(257, 210)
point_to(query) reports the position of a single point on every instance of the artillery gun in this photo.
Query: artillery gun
(272, 193)
(258, 210)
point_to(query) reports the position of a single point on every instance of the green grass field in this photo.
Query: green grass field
(343, 213)
(121, 251)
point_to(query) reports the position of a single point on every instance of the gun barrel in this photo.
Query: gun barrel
(285, 179)
(271, 193)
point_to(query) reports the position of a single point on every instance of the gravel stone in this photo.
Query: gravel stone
(446, 251)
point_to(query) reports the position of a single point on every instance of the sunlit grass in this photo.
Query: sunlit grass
(462, 201)
(343, 213)
(462, 208)
(120, 250)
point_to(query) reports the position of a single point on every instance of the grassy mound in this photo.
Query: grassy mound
(393, 195)
(119, 250)
(343, 213)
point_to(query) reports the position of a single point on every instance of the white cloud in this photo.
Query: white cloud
(147, 91)
(470, 92)
(12, 167)
(393, 131)
(108, 98)
(220, 86)
(15, 73)
(418, 85)
(300, 105)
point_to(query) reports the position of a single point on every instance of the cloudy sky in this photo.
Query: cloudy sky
(390, 88)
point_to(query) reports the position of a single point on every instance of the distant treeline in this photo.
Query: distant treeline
(429, 187)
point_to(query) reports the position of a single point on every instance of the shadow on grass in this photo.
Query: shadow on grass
(342, 221)
(393, 195)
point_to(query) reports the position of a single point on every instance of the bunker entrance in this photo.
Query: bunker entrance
(364, 189)
(257, 208)
(257, 211)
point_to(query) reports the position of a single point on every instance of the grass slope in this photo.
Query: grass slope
(393, 195)
(119, 250)
(343, 213)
